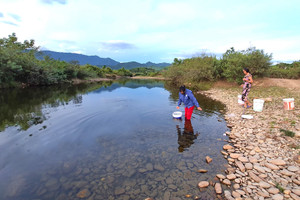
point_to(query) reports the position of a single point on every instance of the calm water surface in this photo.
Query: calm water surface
(111, 140)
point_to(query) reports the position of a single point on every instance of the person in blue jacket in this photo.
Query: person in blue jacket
(186, 96)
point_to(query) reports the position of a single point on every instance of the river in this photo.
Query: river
(109, 140)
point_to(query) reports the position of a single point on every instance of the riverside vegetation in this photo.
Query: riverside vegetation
(19, 66)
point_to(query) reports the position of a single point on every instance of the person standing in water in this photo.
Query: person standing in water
(186, 96)
(246, 87)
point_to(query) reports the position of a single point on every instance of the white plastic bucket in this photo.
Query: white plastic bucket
(288, 104)
(240, 101)
(177, 115)
(258, 105)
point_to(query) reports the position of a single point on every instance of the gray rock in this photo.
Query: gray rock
(271, 166)
(296, 191)
(293, 168)
(264, 184)
(273, 190)
(277, 197)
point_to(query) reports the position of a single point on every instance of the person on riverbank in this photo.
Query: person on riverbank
(186, 96)
(246, 87)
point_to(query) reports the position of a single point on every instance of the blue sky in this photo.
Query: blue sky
(155, 30)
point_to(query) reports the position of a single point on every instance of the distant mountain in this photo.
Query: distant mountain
(82, 59)
(97, 61)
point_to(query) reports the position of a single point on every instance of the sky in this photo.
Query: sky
(155, 30)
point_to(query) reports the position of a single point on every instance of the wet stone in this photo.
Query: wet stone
(119, 191)
(203, 184)
(218, 188)
(149, 167)
(159, 167)
(220, 176)
(208, 159)
(227, 147)
(83, 193)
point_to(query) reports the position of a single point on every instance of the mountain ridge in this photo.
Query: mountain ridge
(98, 61)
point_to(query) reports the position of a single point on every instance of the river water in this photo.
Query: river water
(110, 140)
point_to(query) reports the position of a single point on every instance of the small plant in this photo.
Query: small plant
(293, 146)
(279, 187)
(272, 124)
(293, 123)
(287, 132)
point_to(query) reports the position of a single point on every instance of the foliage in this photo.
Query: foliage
(19, 66)
(233, 63)
(278, 186)
(209, 68)
(144, 71)
(287, 132)
(123, 72)
(284, 70)
(192, 70)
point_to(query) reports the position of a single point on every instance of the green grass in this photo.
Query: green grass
(279, 187)
(293, 146)
(293, 123)
(272, 124)
(287, 132)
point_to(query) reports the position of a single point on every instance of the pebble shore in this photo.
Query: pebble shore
(263, 163)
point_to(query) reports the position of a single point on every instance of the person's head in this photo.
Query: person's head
(182, 89)
(246, 70)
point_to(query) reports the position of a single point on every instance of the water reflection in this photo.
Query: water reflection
(111, 140)
(26, 107)
(186, 136)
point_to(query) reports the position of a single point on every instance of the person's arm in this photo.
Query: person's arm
(179, 101)
(250, 80)
(194, 100)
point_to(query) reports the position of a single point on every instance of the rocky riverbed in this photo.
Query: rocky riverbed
(263, 163)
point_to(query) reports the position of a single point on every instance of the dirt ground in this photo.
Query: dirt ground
(293, 84)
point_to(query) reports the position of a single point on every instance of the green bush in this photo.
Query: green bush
(284, 70)
(233, 62)
(192, 70)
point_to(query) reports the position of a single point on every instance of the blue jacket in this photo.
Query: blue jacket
(188, 99)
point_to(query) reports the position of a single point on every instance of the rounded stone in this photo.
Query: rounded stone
(220, 176)
(293, 168)
(235, 155)
(273, 190)
(227, 147)
(203, 184)
(278, 162)
(231, 176)
(243, 159)
(227, 182)
(277, 197)
(248, 166)
(296, 191)
(264, 184)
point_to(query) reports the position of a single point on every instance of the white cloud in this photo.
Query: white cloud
(162, 26)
